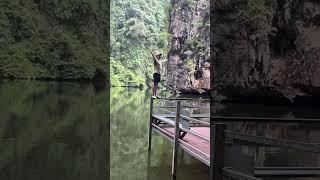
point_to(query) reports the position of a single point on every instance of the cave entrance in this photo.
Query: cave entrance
(283, 42)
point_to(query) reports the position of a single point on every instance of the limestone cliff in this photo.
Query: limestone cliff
(188, 58)
(266, 48)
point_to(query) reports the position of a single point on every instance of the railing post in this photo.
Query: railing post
(150, 124)
(149, 164)
(176, 140)
(217, 141)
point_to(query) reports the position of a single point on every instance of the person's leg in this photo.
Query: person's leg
(154, 85)
(155, 88)
(158, 82)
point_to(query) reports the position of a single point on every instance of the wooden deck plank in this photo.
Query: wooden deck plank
(193, 144)
(200, 144)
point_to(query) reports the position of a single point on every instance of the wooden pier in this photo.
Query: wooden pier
(205, 138)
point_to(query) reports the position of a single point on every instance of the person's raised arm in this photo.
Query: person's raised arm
(155, 58)
(153, 55)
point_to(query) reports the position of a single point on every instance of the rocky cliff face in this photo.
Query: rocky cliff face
(266, 48)
(188, 58)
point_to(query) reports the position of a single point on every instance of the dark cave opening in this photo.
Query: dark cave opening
(283, 42)
(198, 74)
(282, 39)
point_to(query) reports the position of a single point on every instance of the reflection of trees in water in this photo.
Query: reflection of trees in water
(129, 140)
(129, 127)
(52, 131)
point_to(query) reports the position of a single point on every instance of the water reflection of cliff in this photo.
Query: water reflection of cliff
(53, 131)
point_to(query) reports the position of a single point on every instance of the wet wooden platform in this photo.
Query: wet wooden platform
(196, 140)
(202, 145)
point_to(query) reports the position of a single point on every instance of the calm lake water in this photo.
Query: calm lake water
(57, 131)
(60, 131)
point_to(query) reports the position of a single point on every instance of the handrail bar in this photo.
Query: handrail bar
(273, 142)
(287, 168)
(186, 117)
(184, 129)
(231, 173)
(196, 107)
(273, 171)
(195, 120)
(201, 116)
(183, 99)
(183, 106)
(161, 109)
(266, 120)
(287, 171)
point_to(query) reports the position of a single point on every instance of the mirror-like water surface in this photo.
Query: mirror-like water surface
(49, 130)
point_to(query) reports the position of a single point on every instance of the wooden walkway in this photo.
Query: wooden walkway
(194, 145)
(206, 141)
(189, 133)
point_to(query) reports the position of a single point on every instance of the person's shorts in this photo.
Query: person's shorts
(156, 77)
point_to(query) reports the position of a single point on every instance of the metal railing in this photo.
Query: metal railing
(221, 134)
(221, 138)
(179, 125)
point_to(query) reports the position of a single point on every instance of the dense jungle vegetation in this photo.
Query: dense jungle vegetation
(137, 26)
(53, 39)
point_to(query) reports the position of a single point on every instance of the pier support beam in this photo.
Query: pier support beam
(176, 140)
(217, 142)
(150, 124)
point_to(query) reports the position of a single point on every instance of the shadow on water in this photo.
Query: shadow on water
(53, 131)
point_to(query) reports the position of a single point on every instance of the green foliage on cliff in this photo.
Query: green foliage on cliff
(258, 14)
(189, 65)
(121, 76)
(137, 26)
(53, 39)
(190, 3)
